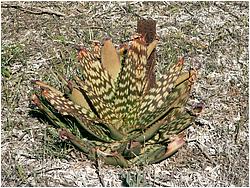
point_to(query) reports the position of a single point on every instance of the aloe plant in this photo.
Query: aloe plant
(120, 121)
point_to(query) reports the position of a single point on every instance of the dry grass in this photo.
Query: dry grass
(215, 34)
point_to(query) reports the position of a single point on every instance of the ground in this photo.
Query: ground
(38, 36)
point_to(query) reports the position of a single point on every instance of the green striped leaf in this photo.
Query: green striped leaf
(99, 86)
(131, 81)
(156, 100)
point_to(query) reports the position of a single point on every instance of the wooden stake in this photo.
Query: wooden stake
(148, 28)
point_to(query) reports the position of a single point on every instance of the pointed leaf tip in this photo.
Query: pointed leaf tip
(110, 59)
